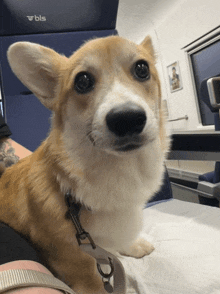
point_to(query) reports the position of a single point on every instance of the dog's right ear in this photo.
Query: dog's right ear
(147, 44)
(38, 68)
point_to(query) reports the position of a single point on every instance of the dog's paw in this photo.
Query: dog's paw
(140, 248)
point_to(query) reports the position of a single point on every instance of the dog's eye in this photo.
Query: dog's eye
(84, 82)
(141, 70)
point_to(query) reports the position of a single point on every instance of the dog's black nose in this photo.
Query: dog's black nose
(127, 119)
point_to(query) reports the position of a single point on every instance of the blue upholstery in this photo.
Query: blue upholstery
(208, 177)
(211, 177)
(165, 190)
(53, 16)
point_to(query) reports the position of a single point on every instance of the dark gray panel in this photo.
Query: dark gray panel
(20, 17)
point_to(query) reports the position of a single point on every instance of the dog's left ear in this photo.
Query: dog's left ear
(38, 68)
(147, 44)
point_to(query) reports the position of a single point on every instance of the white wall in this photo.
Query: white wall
(190, 20)
(173, 24)
(137, 17)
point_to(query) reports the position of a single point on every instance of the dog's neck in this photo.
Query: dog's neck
(90, 177)
(122, 178)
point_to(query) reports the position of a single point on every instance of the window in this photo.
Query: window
(205, 63)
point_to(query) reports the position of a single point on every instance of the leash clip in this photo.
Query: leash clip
(106, 276)
(108, 287)
(83, 236)
(97, 252)
(74, 211)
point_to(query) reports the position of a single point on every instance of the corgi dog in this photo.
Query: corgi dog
(107, 145)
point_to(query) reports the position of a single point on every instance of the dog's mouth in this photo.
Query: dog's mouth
(128, 147)
(129, 143)
(119, 145)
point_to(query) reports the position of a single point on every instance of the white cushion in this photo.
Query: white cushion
(187, 255)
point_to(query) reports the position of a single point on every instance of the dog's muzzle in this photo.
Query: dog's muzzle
(126, 123)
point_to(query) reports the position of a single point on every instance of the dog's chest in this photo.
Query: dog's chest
(113, 230)
(115, 191)
(112, 189)
(123, 183)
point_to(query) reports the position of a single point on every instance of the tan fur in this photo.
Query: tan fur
(115, 186)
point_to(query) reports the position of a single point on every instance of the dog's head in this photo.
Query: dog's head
(105, 96)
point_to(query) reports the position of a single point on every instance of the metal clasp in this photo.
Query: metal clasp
(108, 287)
(106, 276)
(74, 211)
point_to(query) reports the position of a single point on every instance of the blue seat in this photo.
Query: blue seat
(214, 176)
(165, 191)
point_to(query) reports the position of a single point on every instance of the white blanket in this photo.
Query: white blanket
(187, 255)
